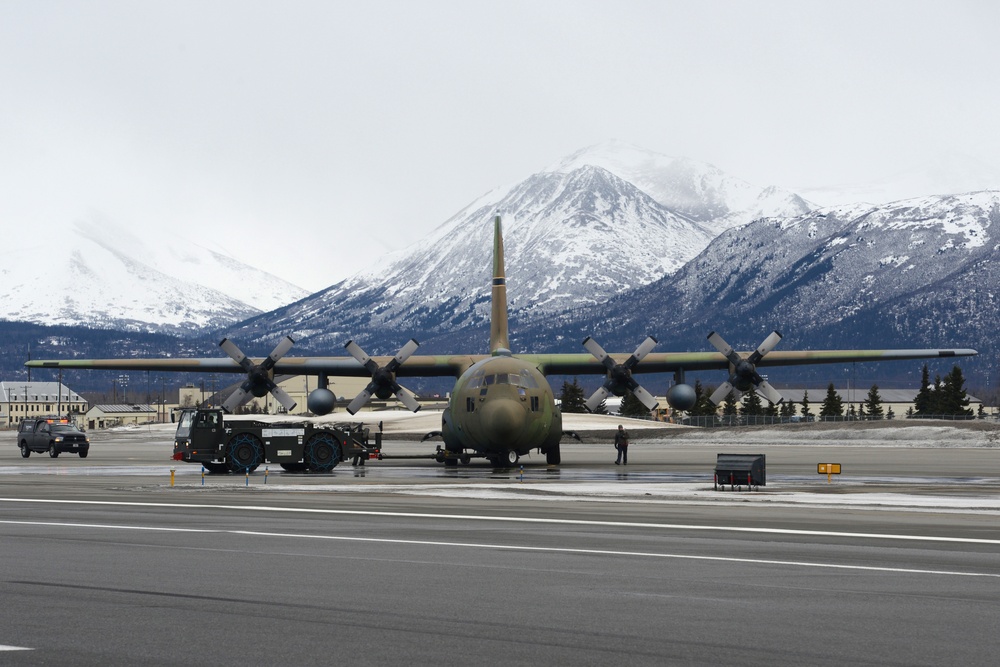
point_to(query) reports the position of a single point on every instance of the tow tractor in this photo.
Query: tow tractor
(240, 443)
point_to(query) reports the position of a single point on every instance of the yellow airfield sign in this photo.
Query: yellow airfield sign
(828, 469)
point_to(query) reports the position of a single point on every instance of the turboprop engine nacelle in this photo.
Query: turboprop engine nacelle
(681, 397)
(321, 401)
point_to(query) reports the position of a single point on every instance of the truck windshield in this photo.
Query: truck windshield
(184, 423)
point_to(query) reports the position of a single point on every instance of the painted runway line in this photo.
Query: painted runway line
(522, 548)
(516, 519)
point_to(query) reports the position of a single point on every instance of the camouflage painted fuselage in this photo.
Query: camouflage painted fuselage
(502, 404)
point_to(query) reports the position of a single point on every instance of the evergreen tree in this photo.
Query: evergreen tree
(873, 404)
(833, 405)
(805, 405)
(703, 406)
(602, 407)
(752, 404)
(922, 401)
(572, 398)
(787, 409)
(729, 406)
(935, 407)
(633, 407)
(952, 399)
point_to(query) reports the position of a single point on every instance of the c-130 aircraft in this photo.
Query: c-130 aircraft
(502, 405)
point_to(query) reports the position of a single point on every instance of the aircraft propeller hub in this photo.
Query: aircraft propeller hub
(258, 387)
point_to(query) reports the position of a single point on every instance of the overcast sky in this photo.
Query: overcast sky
(311, 135)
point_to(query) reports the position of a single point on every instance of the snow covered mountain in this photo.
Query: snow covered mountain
(100, 275)
(915, 273)
(577, 233)
(697, 190)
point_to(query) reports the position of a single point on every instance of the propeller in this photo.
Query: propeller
(383, 382)
(259, 376)
(619, 376)
(743, 375)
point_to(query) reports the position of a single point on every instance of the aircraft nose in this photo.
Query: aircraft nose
(503, 419)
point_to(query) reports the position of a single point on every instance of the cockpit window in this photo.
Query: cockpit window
(476, 380)
(522, 380)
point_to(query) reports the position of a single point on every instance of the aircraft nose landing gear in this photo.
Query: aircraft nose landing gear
(507, 460)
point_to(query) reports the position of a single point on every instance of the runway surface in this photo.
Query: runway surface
(895, 562)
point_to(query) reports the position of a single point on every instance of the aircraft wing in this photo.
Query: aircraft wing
(455, 365)
(668, 362)
(414, 366)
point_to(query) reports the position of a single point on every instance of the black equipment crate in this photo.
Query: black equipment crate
(739, 469)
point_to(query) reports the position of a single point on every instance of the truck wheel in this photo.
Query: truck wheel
(244, 453)
(450, 462)
(25, 450)
(53, 452)
(215, 468)
(83, 453)
(294, 467)
(322, 452)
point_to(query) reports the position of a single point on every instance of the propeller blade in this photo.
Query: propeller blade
(595, 349)
(645, 397)
(596, 398)
(725, 348)
(769, 392)
(403, 354)
(360, 400)
(282, 397)
(640, 352)
(230, 348)
(284, 345)
(355, 351)
(720, 394)
(769, 343)
(235, 400)
(407, 398)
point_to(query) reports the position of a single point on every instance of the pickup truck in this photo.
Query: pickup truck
(51, 435)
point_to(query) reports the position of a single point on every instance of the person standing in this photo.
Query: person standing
(621, 444)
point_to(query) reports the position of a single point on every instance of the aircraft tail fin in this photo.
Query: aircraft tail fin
(498, 314)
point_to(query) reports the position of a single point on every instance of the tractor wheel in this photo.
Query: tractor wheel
(322, 452)
(244, 453)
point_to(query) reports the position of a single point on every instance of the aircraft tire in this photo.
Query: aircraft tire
(552, 456)
(244, 453)
(25, 450)
(512, 457)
